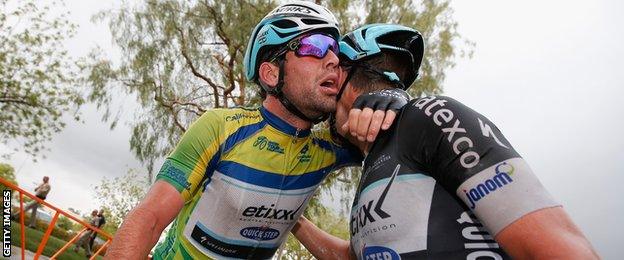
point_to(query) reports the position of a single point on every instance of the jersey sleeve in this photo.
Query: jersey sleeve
(194, 156)
(469, 156)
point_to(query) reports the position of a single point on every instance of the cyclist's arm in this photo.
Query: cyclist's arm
(470, 156)
(144, 224)
(321, 244)
(551, 235)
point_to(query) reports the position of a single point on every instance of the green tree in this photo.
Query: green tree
(36, 74)
(120, 195)
(7, 173)
(182, 58)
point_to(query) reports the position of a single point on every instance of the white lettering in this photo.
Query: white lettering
(476, 233)
(477, 254)
(459, 141)
(453, 130)
(445, 114)
(437, 102)
(464, 159)
(423, 102)
(466, 218)
(480, 245)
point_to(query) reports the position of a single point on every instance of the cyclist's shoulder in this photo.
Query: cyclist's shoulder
(429, 104)
(229, 117)
(235, 114)
(435, 110)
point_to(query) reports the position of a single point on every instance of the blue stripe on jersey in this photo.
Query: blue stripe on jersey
(282, 125)
(269, 179)
(241, 134)
(212, 165)
(399, 178)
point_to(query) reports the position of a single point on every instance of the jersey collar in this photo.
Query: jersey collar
(282, 125)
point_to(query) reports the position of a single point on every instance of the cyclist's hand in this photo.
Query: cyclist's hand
(364, 123)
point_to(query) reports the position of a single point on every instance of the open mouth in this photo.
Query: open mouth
(328, 83)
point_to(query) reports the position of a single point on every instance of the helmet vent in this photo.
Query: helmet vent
(313, 21)
(285, 24)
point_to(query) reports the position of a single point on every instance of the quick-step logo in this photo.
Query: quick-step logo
(260, 233)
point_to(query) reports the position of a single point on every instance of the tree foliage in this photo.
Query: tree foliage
(7, 173)
(36, 74)
(120, 195)
(181, 58)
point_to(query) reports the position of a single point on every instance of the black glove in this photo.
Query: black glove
(387, 99)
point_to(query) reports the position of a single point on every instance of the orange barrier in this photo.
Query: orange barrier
(51, 225)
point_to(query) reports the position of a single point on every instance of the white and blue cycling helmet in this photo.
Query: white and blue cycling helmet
(370, 40)
(283, 24)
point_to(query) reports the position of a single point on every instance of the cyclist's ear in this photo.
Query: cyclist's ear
(268, 73)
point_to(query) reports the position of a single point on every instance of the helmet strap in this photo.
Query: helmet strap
(277, 91)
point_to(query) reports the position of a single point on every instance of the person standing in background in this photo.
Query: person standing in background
(41, 192)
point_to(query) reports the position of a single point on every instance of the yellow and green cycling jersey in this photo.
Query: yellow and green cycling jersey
(246, 177)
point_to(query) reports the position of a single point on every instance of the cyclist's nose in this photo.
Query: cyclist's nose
(331, 60)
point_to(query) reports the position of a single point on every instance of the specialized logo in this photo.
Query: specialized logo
(500, 179)
(271, 212)
(462, 145)
(263, 142)
(260, 233)
(364, 214)
(293, 9)
(303, 156)
(379, 253)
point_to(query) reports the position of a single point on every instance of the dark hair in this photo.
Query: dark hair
(365, 79)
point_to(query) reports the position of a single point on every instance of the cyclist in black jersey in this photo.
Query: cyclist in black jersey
(442, 182)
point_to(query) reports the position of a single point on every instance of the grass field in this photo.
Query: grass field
(33, 238)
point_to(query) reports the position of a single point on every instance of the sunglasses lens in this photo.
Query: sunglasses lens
(317, 45)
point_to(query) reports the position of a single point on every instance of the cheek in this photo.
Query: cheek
(342, 113)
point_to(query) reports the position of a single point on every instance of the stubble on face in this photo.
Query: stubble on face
(302, 79)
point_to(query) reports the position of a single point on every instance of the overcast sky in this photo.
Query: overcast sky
(548, 73)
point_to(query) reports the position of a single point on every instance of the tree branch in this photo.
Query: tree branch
(214, 86)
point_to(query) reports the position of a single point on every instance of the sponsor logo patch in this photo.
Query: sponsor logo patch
(175, 174)
(364, 214)
(259, 233)
(237, 117)
(303, 155)
(379, 253)
(501, 178)
(264, 143)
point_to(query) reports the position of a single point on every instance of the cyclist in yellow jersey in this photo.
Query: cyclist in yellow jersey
(240, 178)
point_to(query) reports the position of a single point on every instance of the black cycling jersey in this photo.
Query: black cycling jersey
(426, 178)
